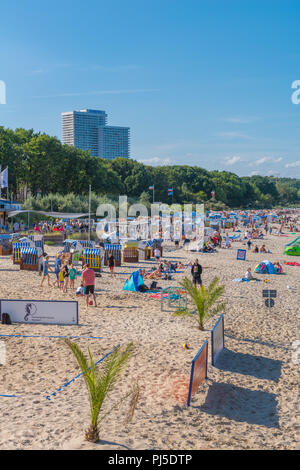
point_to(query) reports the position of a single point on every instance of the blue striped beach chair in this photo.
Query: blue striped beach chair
(116, 250)
(30, 259)
(17, 251)
(93, 257)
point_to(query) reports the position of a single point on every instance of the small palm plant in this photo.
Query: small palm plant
(100, 384)
(204, 299)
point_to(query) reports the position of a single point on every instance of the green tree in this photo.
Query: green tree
(206, 300)
(101, 384)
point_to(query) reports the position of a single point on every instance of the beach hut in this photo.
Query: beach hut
(17, 249)
(116, 250)
(73, 249)
(144, 251)
(93, 257)
(5, 245)
(87, 243)
(31, 258)
(38, 240)
(130, 252)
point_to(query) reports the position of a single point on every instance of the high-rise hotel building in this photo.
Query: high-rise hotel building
(86, 129)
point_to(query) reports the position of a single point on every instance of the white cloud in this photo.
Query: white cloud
(293, 164)
(263, 160)
(156, 161)
(240, 120)
(233, 135)
(232, 160)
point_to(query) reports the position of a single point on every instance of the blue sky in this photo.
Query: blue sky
(204, 83)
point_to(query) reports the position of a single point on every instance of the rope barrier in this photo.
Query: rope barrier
(67, 337)
(48, 397)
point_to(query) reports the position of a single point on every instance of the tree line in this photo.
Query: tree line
(40, 164)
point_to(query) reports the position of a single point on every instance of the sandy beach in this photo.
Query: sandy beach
(251, 397)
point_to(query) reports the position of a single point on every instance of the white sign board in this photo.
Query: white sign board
(41, 311)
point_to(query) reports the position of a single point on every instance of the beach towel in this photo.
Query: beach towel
(291, 263)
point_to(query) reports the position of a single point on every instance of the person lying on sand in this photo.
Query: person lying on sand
(154, 274)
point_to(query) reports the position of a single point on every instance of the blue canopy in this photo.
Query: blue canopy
(134, 282)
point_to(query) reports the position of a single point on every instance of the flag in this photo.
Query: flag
(4, 178)
(151, 188)
(170, 192)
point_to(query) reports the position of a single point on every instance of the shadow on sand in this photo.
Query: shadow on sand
(241, 405)
(246, 364)
(258, 341)
(110, 443)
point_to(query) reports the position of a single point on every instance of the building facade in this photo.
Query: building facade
(87, 129)
(113, 142)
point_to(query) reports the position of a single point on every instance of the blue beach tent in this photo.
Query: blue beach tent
(134, 282)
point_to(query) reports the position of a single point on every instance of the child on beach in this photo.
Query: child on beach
(80, 290)
(65, 270)
(72, 276)
(61, 278)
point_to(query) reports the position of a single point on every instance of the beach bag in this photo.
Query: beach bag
(5, 319)
(143, 288)
(153, 285)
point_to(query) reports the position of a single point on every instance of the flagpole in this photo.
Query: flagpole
(28, 218)
(90, 212)
(153, 195)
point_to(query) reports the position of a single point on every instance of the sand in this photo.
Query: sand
(251, 397)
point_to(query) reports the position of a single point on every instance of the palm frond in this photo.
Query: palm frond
(100, 383)
(183, 313)
(133, 403)
(204, 299)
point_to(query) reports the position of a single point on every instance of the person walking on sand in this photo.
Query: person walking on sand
(196, 273)
(111, 264)
(157, 254)
(88, 279)
(57, 270)
(45, 273)
(227, 241)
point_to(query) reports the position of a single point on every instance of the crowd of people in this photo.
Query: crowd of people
(47, 226)
(66, 275)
